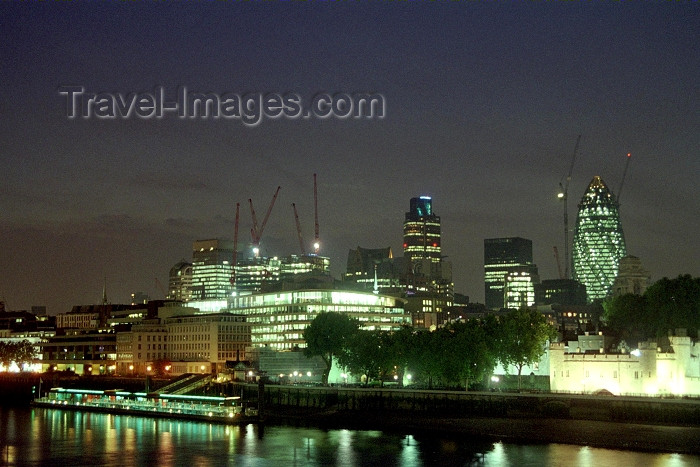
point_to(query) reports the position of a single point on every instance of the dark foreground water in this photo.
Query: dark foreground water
(64, 438)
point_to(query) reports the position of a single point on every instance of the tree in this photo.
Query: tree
(363, 354)
(422, 357)
(327, 337)
(398, 345)
(524, 333)
(21, 353)
(470, 353)
(674, 303)
(666, 305)
(6, 356)
(625, 317)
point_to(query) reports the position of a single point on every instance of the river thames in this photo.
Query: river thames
(45, 437)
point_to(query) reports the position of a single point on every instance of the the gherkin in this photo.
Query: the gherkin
(599, 241)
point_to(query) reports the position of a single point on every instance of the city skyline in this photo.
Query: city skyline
(484, 103)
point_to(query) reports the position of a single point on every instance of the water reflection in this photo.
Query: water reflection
(54, 437)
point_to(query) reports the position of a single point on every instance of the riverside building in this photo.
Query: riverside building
(278, 320)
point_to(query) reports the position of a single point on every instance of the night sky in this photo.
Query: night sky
(484, 102)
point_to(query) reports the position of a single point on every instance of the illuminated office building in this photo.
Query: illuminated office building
(211, 269)
(503, 257)
(421, 231)
(427, 277)
(278, 319)
(519, 287)
(560, 292)
(374, 269)
(253, 273)
(599, 241)
(260, 274)
(180, 281)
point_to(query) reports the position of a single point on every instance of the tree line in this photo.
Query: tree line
(460, 354)
(21, 353)
(666, 305)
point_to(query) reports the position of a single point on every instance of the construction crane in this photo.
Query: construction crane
(234, 260)
(255, 232)
(624, 174)
(161, 288)
(564, 195)
(301, 241)
(556, 256)
(317, 242)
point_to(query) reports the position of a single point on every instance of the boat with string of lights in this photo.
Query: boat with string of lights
(216, 409)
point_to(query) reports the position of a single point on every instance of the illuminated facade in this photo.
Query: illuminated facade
(253, 273)
(599, 241)
(504, 257)
(647, 370)
(91, 352)
(180, 281)
(421, 231)
(519, 288)
(72, 320)
(376, 267)
(259, 274)
(190, 343)
(427, 278)
(278, 320)
(211, 269)
(212, 338)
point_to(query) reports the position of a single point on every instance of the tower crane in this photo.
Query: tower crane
(160, 287)
(624, 174)
(556, 256)
(317, 242)
(564, 195)
(255, 232)
(235, 250)
(301, 241)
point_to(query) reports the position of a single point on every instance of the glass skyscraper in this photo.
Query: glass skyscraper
(509, 274)
(599, 241)
(211, 269)
(421, 231)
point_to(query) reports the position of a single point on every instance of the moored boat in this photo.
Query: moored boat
(216, 409)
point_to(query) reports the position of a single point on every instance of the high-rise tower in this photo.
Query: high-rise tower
(599, 241)
(421, 231)
(211, 269)
(509, 274)
(180, 281)
(427, 277)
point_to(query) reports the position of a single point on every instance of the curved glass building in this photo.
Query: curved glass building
(599, 241)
